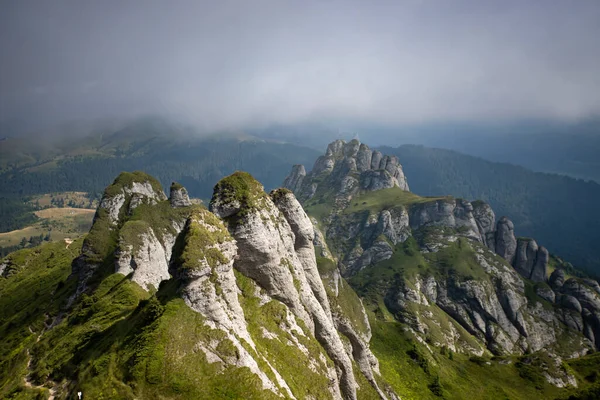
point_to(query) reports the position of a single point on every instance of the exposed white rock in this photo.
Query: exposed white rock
(268, 253)
(451, 213)
(179, 196)
(148, 262)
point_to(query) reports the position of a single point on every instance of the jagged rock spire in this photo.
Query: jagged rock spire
(349, 167)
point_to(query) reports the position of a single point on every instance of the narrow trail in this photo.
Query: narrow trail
(28, 381)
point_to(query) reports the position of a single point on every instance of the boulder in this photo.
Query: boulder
(539, 270)
(506, 243)
(179, 196)
(557, 279)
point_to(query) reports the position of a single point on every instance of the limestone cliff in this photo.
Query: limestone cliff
(456, 267)
(124, 235)
(252, 254)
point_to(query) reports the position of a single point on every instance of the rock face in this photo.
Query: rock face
(582, 298)
(274, 237)
(451, 213)
(487, 296)
(485, 219)
(147, 261)
(347, 168)
(179, 196)
(209, 287)
(295, 178)
(128, 192)
(506, 243)
(253, 250)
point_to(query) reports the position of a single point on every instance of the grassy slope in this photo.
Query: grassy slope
(407, 365)
(379, 200)
(34, 291)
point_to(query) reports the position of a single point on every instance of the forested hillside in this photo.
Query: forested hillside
(169, 152)
(562, 213)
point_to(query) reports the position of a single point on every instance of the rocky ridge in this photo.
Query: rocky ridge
(471, 274)
(264, 240)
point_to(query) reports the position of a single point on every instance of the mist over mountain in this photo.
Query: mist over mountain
(567, 148)
(232, 65)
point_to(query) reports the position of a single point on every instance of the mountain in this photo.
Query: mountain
(567, 148)
(560, 212)
(447, 269)
(373, 292)
(89, 161)
(167, 298)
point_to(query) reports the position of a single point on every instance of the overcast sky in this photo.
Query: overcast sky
(231, 64)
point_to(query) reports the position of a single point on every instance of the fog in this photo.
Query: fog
(241, 64)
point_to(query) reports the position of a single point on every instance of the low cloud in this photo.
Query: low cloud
(236, 64)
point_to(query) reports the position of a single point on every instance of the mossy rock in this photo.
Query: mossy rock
(126, 179)
(240, 191)
(200, 243)
(176, 186)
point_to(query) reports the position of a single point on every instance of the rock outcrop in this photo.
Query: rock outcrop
(269, 241)
(485, 219)
(582, 298)
(295, 178)
(274, 237)
(451, 213)
(347, 168)
(128, 192)
(485, 294)
(506, 242)
(205, 268)
(179, 196)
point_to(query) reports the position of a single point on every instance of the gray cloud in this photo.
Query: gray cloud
(231, 64)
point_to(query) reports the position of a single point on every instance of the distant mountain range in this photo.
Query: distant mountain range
(560, 212)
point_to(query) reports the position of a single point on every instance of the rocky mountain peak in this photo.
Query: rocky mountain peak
(129, 190)
(348, 168)
(248, 239)
(371, 221)
(274, 239)
(134, 229)
(237, 195)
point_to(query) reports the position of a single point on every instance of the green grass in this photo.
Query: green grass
(240, 187)
(128, 178)
(412, 370)
(200, 243)
(346, 303)
(176, 186)
(34, 292)
(59, 223)
(289, 360)
(122, 343)
(406, 261)
(377, 201)
(161, 216)
(457, 259)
